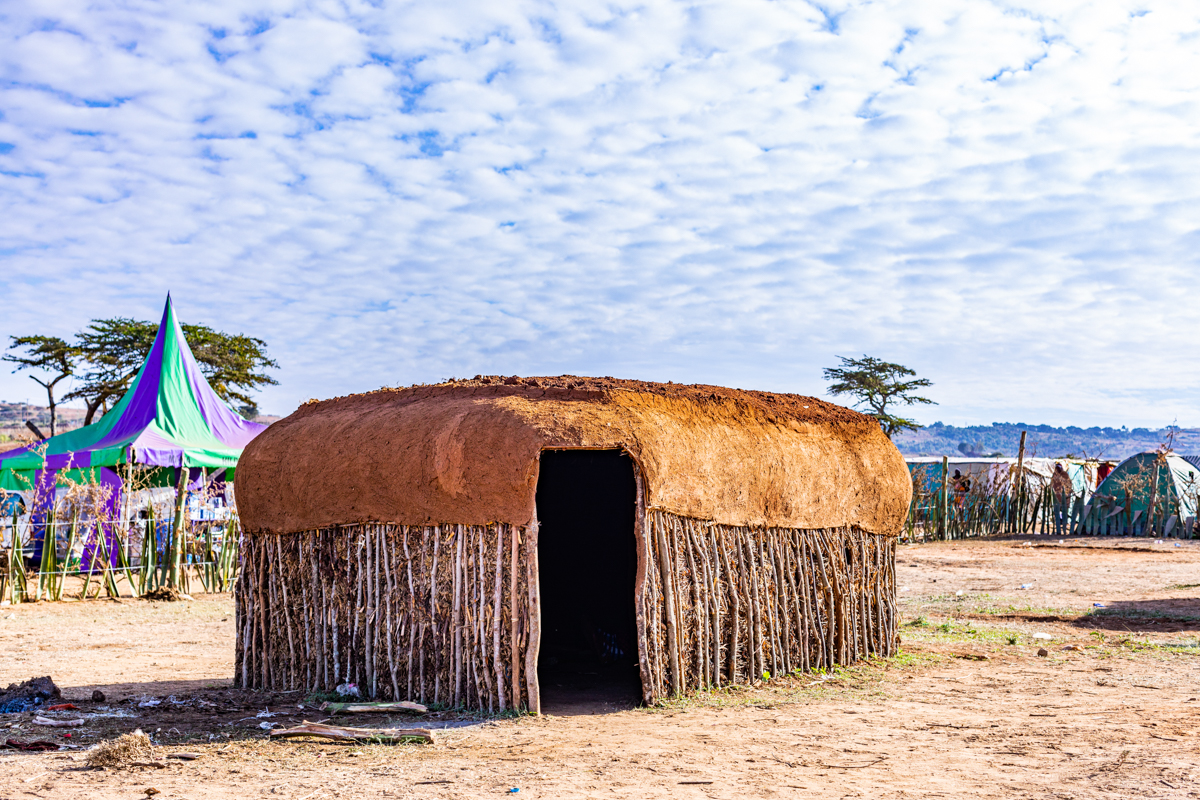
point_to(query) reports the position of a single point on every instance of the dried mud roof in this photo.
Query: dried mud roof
(466, 451)
(574, 387)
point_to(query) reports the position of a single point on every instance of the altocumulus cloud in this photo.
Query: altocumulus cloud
(1001, 195)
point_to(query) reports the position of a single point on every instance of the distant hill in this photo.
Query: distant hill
(12, 421)
(1044, 440)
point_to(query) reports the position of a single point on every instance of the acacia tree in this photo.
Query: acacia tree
(49, 354)
(114, 350)
(878, 384)
(232, 364)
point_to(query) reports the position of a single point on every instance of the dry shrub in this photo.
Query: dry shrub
(164, 594)
(123, 751)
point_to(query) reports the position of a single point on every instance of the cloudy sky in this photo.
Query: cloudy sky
(1002, 196)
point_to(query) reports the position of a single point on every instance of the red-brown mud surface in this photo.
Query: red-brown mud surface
(967, 710)
(729, 456)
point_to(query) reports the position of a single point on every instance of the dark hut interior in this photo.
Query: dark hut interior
(587, 554)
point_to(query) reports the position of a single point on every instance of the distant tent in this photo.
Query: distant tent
(996, 475)
(1149, 494)
(169, 417)
(982, 495)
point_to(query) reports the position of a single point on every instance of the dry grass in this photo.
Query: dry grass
(164, 594)
(124, 751)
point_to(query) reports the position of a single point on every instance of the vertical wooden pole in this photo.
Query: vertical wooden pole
(497, 614)
(412, 614)
(1019, 499)
(293, 666)
(1148, 525)
(943, 500)
(807, 578)
(533, 646)
(664, 560)
(732, 581)
(710, 540)
(681, 529)
(641, 591)
(456, 623)
(481, 630)
(438, 660)
(262, 606)
(177, 528)
(391, 587)
(514, 636)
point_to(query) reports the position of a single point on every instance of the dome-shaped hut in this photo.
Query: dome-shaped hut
(431, 542)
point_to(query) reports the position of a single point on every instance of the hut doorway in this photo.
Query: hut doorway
(587, 567)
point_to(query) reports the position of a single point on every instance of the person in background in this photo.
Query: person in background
(962, 486)
(1063, 490)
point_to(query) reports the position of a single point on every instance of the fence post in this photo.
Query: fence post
(943, 505)
(177, 530)
(1019, 501)
(1151, 507)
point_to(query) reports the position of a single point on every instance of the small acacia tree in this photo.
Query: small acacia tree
(113, 350)
(878, 384)
(50, 355)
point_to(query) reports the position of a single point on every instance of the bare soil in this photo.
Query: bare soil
(968, 709)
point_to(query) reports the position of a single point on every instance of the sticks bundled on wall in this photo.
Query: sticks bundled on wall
(442, 614)
(727, 604)
(449, 614)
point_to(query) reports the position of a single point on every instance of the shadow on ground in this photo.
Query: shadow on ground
(206, 714)
(1144, 616)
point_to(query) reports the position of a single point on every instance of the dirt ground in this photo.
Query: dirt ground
(968, 709)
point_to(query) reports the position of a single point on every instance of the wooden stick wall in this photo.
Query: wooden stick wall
(725, 604)
(449, 614)
(442, 614)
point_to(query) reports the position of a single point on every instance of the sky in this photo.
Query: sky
(1001, 196)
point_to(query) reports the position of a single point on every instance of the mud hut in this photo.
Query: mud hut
(438, 542)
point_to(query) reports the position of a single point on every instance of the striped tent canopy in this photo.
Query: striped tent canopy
(169, 417)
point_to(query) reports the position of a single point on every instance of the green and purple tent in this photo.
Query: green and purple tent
(169, 417)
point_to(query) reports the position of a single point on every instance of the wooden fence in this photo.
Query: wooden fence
(449, 614)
